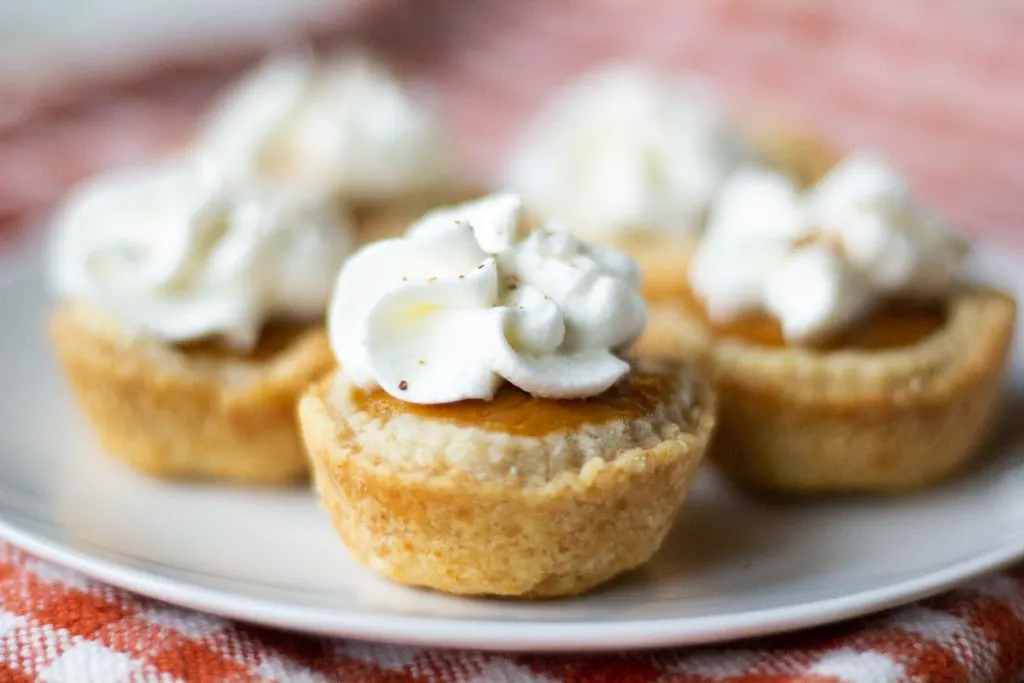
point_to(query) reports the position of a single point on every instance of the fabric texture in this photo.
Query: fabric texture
(933, 84)
(55, 625)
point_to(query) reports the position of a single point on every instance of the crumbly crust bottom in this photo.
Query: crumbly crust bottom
(177, 415)
(799, 421)
(451, 530)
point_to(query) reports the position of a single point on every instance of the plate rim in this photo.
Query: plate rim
(520, 635)
(502, 635)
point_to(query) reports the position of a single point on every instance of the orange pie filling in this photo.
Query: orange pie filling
(275, 338)
(517, 413)
(895, 325)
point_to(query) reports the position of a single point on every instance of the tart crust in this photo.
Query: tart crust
(456, 515)
(180, 414)
(391, 218)
(663, 259)
(804, 156)
(798, 421)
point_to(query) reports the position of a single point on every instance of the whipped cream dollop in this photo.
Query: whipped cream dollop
(625, 149)
(473, 296)
(171, 251)
(818, 260)
(345, 126)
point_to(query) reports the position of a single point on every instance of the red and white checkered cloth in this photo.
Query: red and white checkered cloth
(938, 85)
(57, 626)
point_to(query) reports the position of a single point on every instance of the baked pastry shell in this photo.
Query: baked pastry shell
(456, 532)
(385, 219)
(662, 258)
(173, 415)
(796, 421)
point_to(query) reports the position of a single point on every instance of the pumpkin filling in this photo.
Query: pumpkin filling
(517, 413)
(275, 338)
(892, 326)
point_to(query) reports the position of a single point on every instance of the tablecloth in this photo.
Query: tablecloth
(936, 85)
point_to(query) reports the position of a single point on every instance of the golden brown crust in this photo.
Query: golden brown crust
(189, 415)
(440, 446)
(458, 533)
(663, 258)
(389, 219)
(805, 157)
(800, 421)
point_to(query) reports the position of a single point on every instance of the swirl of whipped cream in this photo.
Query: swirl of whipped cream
(472, 297)
(170, 251)
(624, 150)
(345, 126)
(817, 261)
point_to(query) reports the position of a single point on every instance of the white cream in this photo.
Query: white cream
(622, 150)
(172, 252)
(818, 261)
(345, 126)
(471, 298)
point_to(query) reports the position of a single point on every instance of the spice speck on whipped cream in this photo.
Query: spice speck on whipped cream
(484, 431)
(819, 261)
(486, 299)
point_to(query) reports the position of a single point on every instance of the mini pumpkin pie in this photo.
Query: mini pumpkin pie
(188, 319)
(633, 158)
(343, 126)
(849, 354)
(483, 434)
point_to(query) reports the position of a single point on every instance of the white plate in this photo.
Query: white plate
(734, 567)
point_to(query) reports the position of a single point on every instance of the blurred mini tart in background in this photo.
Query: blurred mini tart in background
(802, 155)
(633, 157)
(188, 320)
(343, 126)
(483, 434)
(848, 353)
